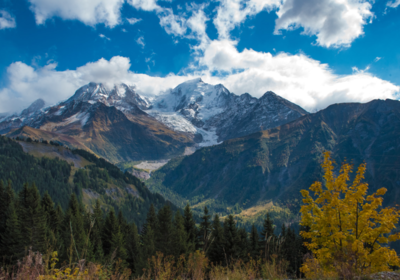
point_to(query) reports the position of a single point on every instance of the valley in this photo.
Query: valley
(200, 144)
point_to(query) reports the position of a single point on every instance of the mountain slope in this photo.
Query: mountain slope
(275, 164)
(217, 115)
(60, 172)
(109, 124)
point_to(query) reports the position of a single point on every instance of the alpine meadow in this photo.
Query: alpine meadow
(202, 140)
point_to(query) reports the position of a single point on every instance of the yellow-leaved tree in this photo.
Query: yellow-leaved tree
(347, 229)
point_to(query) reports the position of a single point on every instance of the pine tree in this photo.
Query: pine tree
(11, 242)
(205, 229)
(190, 228)
(254, 242)
(133, 249)
(231, 239)
(118, 245)
(216, 250)
(6, 197)
(32, 219)
(179, 236)
(47, 205)
(148, 239)
(74, 237)
(164, 231)
(243, 245)
(111, 228)
(267, 236)
(96, 248)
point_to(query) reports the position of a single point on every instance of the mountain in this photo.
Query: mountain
(106, 122)
(61, 172)
(119, 124)
(218, 115)
(275, 164)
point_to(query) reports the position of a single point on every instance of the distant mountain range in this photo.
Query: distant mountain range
(247, 151)
(275, 164)
(121, 125)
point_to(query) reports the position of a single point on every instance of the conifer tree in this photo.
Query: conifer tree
(133, 249)
(96, 249)
(216, 250)
(11, 242)
(205, 229)
(243, 245)
(73, 230)
(50, 218)
(111, 228)
(190, 228)
(164, 231)
(179, 236)
(6, 197)
(118, 245)
(148, 238)
(231, 239)
(3, 208)
(254, 242)
(32, 219)
(267, 237)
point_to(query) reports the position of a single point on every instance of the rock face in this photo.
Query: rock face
(107, 122)
(275, 164)
(217, 115)
(193, 112)
(35, 106)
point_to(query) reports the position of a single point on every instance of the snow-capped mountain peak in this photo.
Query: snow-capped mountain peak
(120, 95)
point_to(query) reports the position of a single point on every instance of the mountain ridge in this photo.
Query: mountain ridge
(275, 164)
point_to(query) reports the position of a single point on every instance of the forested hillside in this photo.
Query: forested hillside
(98, 179)
(28, 220)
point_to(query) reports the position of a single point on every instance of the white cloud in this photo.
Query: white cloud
(140, 41)
(231, 13)
(336, 23)
(173, 24)
(145, 5)
(90, 12)
(104, 37)
(297, 78)
(377, 59)
(393, 4)
(6, 20)
(133, 20)
(26, 84)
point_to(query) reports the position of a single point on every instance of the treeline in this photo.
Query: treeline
(116, 189)
(28, 220)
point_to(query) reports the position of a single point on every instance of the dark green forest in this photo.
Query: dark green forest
(31, 221)
(42, 207)
(115, 189)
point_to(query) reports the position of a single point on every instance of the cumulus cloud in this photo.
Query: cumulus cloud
(145, 5)
(6, 20)
(393, 4)
(173, 24)
(231, 13)
(133, 20)
(297, 78)
(336, 23)
(25, 83)
(90, 12)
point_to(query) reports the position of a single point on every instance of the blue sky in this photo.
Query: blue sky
(312, 52)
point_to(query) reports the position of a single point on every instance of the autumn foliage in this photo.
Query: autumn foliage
(348, 230)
